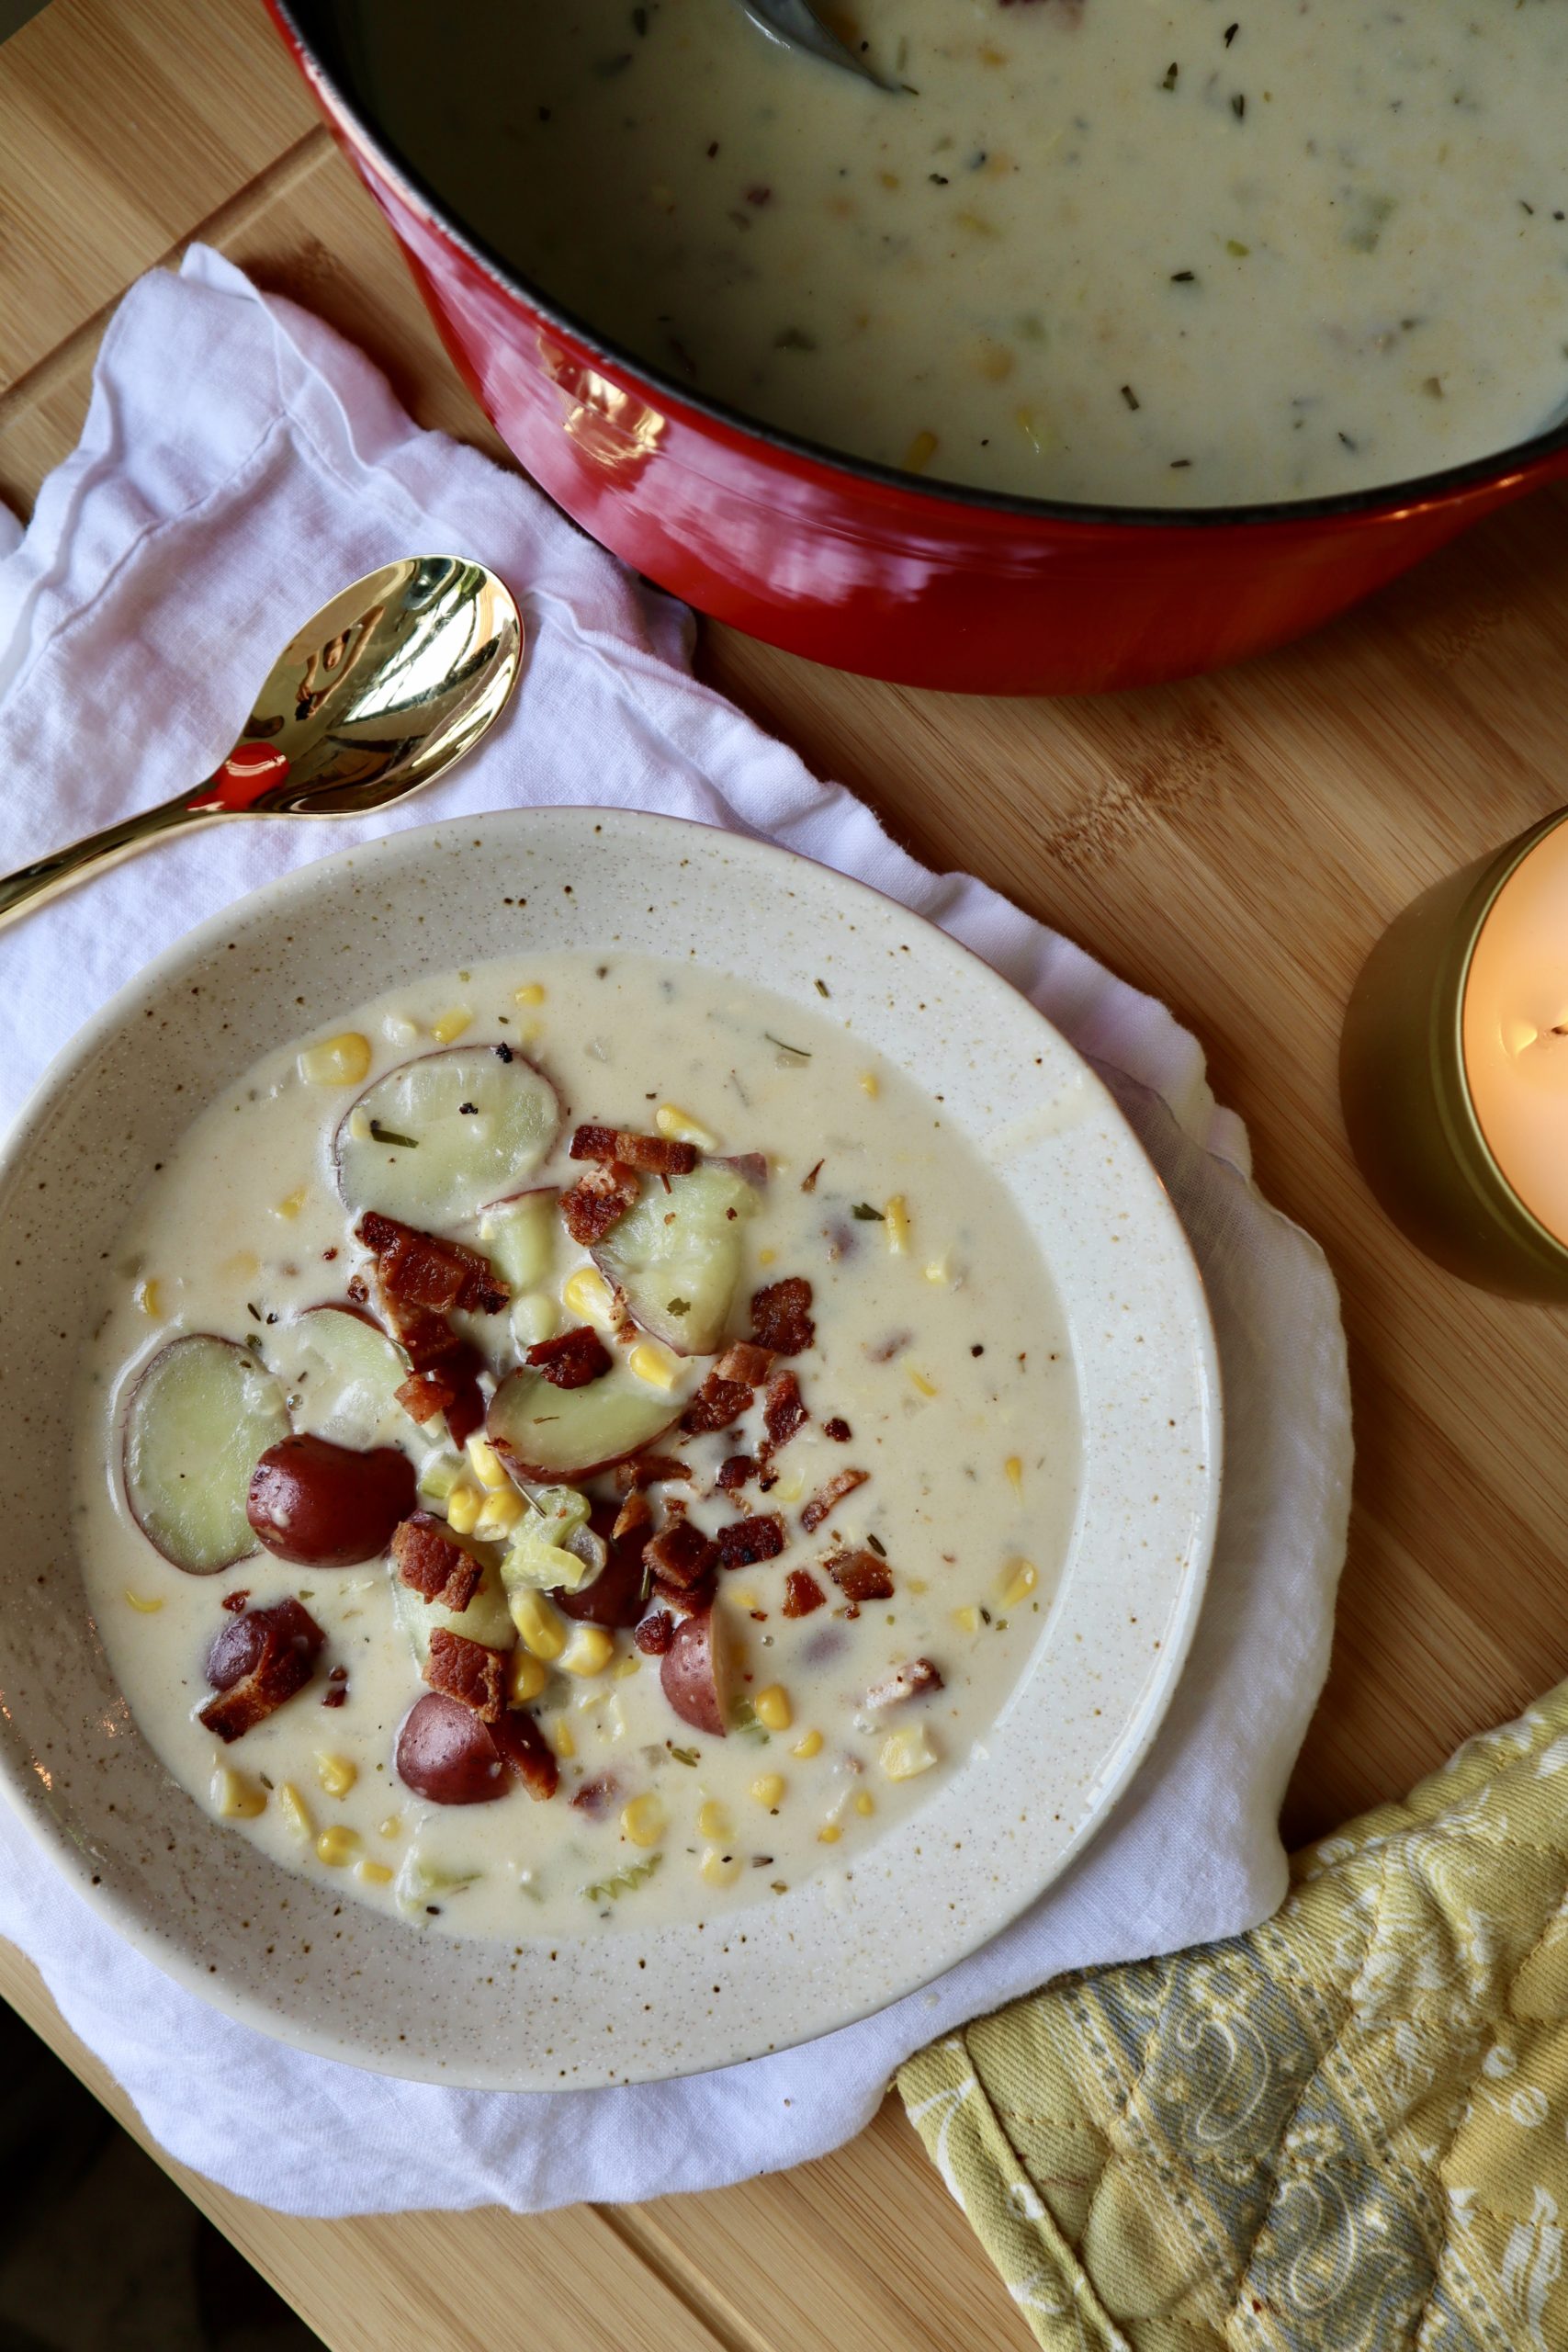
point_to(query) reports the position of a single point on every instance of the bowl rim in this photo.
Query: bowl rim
(1146, 1708)
(1498, 470)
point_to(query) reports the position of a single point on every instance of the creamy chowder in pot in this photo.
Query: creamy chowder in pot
(1148, 252)
(580, 1441)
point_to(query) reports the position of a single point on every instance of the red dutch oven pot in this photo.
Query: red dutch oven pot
(853, 564)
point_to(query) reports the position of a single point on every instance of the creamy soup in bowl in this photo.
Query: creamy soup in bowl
(1193, 254)
(917, 1452)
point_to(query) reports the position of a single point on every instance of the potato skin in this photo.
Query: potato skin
(691, 1674)
(615, 1596)
(445, 1753)
(324, 1506)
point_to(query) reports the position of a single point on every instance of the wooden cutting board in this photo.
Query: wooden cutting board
(1233, 846)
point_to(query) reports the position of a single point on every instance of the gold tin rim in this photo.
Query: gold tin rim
(1455, 1104)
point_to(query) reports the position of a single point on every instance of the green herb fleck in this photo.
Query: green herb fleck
(677, 1306)
(878, 1546)
(683, 1755)
(744, 1720)
(867, 1215)
(821, 987)
(378, 1133)
(798, 1051)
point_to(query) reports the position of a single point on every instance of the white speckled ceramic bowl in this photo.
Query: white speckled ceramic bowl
(274, 1948)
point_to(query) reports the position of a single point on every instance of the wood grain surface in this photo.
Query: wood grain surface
(1233, 845)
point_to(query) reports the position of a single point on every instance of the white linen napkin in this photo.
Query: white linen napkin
(239, 463)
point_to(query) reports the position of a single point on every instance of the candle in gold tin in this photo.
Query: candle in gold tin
(1454, 1067)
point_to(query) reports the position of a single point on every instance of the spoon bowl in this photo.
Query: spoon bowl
(381, 692)
(795, 24)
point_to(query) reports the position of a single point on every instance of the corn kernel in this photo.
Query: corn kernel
(713, 1821)
(463, 1505)
(766, 1257)
(499, 1515)
(896, 1225)
(644, 1820)
(533, 993)
(809, 1744)
(336, 1774)
(236, 1798)
(392, 1827)
(720, 1870)
(919, 453)
(745, 1600)
(653, 1364)
(526, 1677)
(772, 1708)
(295, 1810)
(626, 1666)
(870, 1083)
(338, 1845)
(147, 1606)
(681, 1127)
(590, 1298)
(485, 1463)
(242, 1266)
(589, 1651)
(906, 1753)
(768, 1788)
(359, 1125)
(967, 1619)
(539, 1625)
(790, 1487)
(558, 1733)
(829, 1834)
(535, 1316)
(149, 1298)
(292, 1202)
(1019, 1580)
(1014, 1469)
(451, 1025)
(374, 1874)
(342, 1060)
(864, 1801)
(939, 1271)
(927, 1387)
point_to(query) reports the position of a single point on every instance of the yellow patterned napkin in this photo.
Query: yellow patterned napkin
(1346, 2131)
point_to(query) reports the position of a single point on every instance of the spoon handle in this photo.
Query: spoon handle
(30, 885)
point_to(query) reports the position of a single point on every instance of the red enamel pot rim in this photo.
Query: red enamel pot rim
(1501, 467)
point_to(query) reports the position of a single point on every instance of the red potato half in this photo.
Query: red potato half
(676, 1256)
(445, 1753)
(693, 1673)
(613, 1597)
(432, 1141)
(562, 1435)
(324, 1505)
(200, 1415)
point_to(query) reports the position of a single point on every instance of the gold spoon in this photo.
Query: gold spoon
(381, 692)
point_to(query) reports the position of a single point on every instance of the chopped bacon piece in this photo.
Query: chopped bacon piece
(745, 1541)
(256, 1662)
(425, 1338)
(424, 1395)
(802, 1593)
(781, 1315)
(449, 1386)
(236, 1600)
(906, 1681)
(649, 1470)
(742, 1361)
(861, 1576)
(839, 1430)
(420, 1270)
(655, 1633)
(656, 1154)
(465, 1410)
(634, 1514)
(828, 1498)
(682, 1601)
(433, 1563)
(734, 1471)
(468, 1670)
(783, 1413)
(571, 1359)
(519, 1739)
(716, 1404)
(596, 1796)
(597, 1201)
(808, 1182)
(681, 1555)
(336, 1695)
